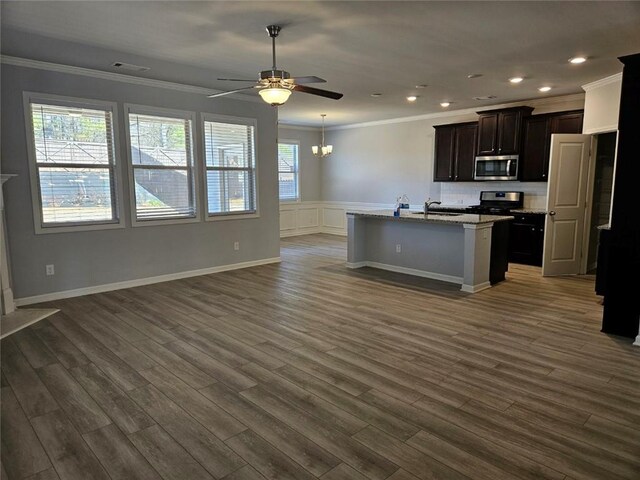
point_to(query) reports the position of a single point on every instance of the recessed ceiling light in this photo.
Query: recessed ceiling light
(474, 75)
(516, 79)
(577, 60)
(486, 97)
(445, 104)
(423, 85)
(129, 66)
(544, 89)
(412, 98)
(376, 95)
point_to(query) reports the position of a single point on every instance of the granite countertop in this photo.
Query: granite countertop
(413, 216)
(529, 210)
(514, 210)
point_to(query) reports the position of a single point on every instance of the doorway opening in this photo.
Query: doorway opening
(602, 194)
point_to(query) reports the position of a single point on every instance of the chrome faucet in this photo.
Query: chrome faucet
(428, 204)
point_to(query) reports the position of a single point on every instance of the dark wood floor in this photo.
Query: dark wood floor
(306, 369)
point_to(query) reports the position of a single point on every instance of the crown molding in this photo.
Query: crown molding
(603, 81)
(536, 102)
(116, 77)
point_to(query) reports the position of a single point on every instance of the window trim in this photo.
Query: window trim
(247, 121)
(36, 199)
(298, 199)
(169, 113)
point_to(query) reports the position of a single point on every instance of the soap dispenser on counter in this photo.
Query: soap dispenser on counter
(396, 210)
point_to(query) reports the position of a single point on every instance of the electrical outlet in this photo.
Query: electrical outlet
(398, 248)
(236, 245)
(50, 269)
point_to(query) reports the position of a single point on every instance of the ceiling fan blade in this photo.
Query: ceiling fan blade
(235, 80)
(319, 92)
(307, 79)
(229, 92)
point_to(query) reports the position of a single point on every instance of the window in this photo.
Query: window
(230, 165)
(73, 155)
(288, 171)
(162, 167)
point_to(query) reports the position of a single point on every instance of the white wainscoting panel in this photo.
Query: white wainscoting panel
(308, 217)
(304, 218)
(287, 220)
(300, 218)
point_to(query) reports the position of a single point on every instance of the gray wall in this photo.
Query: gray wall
(310, 166)
(377, 163)
(84, 259)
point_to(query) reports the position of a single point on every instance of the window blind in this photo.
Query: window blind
(75, 161)
(288, 171)
(162, 163)
(230, 165)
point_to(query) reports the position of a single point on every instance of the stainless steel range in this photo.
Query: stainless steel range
(497, 202)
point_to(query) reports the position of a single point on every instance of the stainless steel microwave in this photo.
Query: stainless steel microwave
(496, 167)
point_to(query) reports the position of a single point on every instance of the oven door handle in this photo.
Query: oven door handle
(509, 167)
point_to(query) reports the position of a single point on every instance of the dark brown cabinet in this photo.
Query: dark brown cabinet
(526, 238)
(534, 162)
(499, 131)
(455, 146)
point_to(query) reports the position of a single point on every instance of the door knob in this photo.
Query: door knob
(552, 212)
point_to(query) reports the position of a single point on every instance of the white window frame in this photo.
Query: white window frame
(298, 198)
(36, 198)
(252, 122)
(170, 113)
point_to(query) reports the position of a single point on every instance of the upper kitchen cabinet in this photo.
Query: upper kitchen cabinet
(455, 147)
(499, 131)
(534, 164)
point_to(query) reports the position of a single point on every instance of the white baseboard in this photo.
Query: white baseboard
(475, 288)
(108, 287)
(408, 271)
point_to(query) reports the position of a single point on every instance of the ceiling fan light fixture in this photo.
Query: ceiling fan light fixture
(275, 96)
(322, 150)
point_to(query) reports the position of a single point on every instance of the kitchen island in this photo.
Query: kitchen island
(467, 249)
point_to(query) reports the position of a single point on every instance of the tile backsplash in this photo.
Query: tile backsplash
(467, 193)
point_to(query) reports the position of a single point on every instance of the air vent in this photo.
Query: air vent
(486, 97)
(129, 66)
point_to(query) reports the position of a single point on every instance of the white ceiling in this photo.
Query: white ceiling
(360, 47)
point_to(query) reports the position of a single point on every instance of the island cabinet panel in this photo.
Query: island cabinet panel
(499, 131)
(537, 141)
(455, 152)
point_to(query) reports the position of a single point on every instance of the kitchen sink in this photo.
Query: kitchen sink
(443, 214)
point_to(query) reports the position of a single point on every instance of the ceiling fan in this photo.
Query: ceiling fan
(275, 86)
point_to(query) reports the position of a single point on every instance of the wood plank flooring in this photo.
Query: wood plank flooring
(309, 370)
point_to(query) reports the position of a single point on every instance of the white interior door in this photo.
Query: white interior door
(566, 204)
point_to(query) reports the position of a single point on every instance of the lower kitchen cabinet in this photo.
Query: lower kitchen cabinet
(526, 238)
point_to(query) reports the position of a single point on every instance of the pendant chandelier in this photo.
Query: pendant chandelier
(322, 150)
